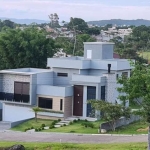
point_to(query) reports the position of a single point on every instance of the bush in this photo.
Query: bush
(59, 120)
(70, 123)
(32, 127)
(43, 125)
(64, 124)
(51, 126)
(88, 124)
(78, 119)
(74, 120)
(86, 120)
(39, 129)
(36, 130)
(25, 130)
(72, 131)
(53, 123)
(42, 128)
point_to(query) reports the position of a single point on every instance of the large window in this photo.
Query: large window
(46, 103)
(62, 74)
(21, 92)
(91, 94)
(102, 92)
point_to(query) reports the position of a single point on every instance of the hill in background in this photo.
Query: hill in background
(120, 22)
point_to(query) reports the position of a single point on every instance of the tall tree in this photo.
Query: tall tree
(137, 89)
(25, 48)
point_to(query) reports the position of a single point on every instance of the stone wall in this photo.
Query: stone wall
(121, 122)
(68, 107)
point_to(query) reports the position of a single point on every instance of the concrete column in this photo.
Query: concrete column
(84, 101)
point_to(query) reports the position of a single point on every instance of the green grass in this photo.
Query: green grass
(132, 128)
(74, 128)
(61, 146)
(77, 128)
(32, 123)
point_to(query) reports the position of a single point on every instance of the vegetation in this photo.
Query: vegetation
(36, 110)
(74, 127)
(110, 112)
(25, 48)
(135, 87)
(67, 146)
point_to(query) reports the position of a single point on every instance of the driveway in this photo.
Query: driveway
(69, 138)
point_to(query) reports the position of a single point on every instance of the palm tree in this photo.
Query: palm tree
(36, 110)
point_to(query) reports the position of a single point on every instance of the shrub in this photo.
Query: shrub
(74, 120)
(78, 119)
(51, 126)
(64, 124)
(88, 124)
(39, 129)
(32, 127)
(53, 123)
(43, 125)
(70, 123)
(36, 130)
(25, 130)
(42, 128)
(59, 120)
(86, 120)
(72, 131)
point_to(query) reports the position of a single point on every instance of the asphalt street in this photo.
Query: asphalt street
(69, 138)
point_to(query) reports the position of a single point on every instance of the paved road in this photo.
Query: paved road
(69, 138)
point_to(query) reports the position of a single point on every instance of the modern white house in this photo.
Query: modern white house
(64, 89)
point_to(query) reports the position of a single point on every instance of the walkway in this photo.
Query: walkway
(69, 138)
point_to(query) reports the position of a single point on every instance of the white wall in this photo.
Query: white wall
(16, 113)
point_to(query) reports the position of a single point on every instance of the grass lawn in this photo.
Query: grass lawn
(139, 127)
(61, 146)
(32, 123)
(74, 128)
(77, 128)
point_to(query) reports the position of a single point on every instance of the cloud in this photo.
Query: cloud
(86, 9)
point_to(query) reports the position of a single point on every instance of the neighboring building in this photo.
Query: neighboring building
(65, 88)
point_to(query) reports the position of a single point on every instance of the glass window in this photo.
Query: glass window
(125, 74)
(102, 92)
(61, 104)
(62, 74)
(45, 103)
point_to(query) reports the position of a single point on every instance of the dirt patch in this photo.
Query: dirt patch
(140, 130)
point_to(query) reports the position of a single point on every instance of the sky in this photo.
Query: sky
(89, 10)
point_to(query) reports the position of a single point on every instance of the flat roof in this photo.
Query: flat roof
(25, 71)
(98, 43)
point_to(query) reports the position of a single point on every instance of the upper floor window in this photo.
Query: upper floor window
(117, 76)
(62, 74)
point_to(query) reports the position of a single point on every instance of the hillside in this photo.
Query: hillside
(25, 21)
(120, 22)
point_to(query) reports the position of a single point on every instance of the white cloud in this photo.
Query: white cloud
(88, 10)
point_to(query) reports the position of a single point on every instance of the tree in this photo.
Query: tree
(137, 89)
(36, 110)
(79, 24)
(111, 112)
(25, 48)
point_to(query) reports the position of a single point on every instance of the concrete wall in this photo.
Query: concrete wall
(68, 109)
(54, 90)
(99, 51)
(67, 104)
(63, 80)
(45, 78)
(120, 122)
(15, 113)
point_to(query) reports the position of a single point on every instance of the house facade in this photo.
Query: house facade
(64, 89)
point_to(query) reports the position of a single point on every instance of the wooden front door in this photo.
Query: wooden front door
(78, 100)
